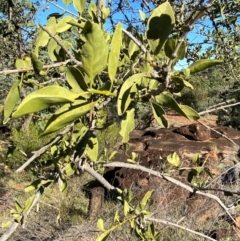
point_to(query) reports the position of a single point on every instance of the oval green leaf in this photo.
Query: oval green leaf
(184, 110)
(79, 5)
(75, 79)
(66, 115)
(92, 148)
(127, 92)
(158, 113)
(115, 52)
(63, 24)
(160, 26)
(203, 64)
(94, 52)
(127, 125)
(12, 98)
(44, 98)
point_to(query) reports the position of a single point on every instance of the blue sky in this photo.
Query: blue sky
(48, 8)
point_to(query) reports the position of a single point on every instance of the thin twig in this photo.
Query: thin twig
(172, 180)
(59, 42)
(65, 10)
(219, 133)
(44, 148)
(100, 178)
(179, 226)
(15, 71)
(220, 104)
(136, 41)
(218, 108)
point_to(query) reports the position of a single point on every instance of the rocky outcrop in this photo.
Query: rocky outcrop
(171, 201)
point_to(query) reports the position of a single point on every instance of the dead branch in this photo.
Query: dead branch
(172, 180)
(48, 66)
(138, 43)
(179, 226)
(219, 133)
(218, 108)
(100, 178)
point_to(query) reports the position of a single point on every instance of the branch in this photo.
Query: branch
(59, 42)
(100, 178)
(172, 180)
(15, 224)
(179, 226)
(138, 43)
(15, 71)
(44, 148)
(218, 108)
(219, 133)
(65, 10)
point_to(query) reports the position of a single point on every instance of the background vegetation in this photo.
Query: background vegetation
(128, 79)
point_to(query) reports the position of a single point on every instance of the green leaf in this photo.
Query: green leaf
(92, 148)
(112, 155)
(18, 206)
(69, 169)
(203, 64)
(66, 115)
(160, 26)
(180, 81)
(191, 175)
(55, 15)
(75, 79)
(127, 92)
(126, 207)
(67, 2)
(44, 98)
(28, 203)
(195, 158)
(94, 51)
(132, 49)
(6, 224)
(52, 47)
(146, 198)
(142, 15)
(104, 236)
(170, 46)
(79, 5)
(105, 12)
(115, 52)
(102, 92)
(116, 217)
(92, 10)
(158, 113)
(33, 186)
(208, 172)
(184, 110)
(187, 72)
(63, 185)
(100, 224)
(43, 36)
(174, 159)
(127, 125)
(12, 98)
(37, 64)
(63, 25)
(23, 63)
